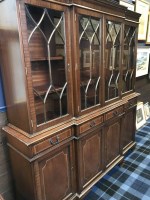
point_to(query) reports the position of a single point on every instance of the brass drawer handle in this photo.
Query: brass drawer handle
(115, 113)
(92, 124)
(54, 143)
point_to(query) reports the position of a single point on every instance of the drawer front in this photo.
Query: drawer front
(114, 113)
(90, 124)
(51, 141)
(131, 103)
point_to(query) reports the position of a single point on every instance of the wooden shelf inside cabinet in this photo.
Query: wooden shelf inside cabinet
(41, 90)
(46, 58)
(50, 116)
(90, 96)
(84, 83)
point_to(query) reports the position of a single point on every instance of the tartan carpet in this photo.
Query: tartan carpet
(130, 181)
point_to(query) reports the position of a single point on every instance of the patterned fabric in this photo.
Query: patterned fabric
(130, 180)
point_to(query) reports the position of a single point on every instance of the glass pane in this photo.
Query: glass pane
(89, 45)
(47, 54)
(112, 58)
(128, 58)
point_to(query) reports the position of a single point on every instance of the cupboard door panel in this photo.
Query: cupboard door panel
(55, 173)
(112, 145)
(128, 129)
(90, 156)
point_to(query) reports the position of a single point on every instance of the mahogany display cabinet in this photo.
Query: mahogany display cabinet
(69, 74)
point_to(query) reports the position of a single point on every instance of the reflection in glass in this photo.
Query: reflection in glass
(47, 50)
(112, 58)
(89, 45)
(128, 58)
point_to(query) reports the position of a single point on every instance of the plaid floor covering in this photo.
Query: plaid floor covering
(132, 179)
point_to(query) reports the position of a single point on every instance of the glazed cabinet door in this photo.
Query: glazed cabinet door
(112, 54)
(128, 129)
(129, 58)
(88, 60)
(46, 47)
(90, 152)
(55, 174)
(112, 141)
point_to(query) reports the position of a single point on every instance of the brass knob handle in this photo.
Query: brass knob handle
(92, 124)
(115, 113)
(54, 143)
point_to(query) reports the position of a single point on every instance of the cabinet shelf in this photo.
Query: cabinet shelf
(46, 58)
(50, 116)
(41, 90)
(85, 83)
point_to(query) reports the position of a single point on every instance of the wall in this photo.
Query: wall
(143, 83)
(143, 87)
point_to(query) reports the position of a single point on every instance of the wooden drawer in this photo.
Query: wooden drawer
(90, 124)
(51, 141)
(131, 103)
(114, 113)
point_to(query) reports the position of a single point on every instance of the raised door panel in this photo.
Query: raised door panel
(112, 142)
(55, 175)
(128, 129)
(90, 157)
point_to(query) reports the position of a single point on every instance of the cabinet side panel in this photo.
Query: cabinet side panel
(12, 66)
(22, 176)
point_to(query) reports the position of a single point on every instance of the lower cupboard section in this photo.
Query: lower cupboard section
(50, 177)
(69, 169)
